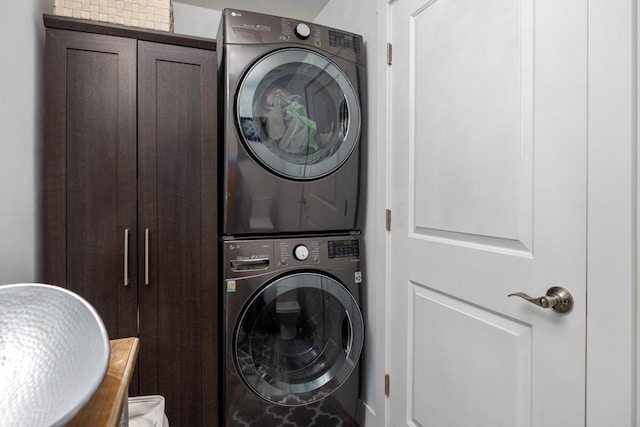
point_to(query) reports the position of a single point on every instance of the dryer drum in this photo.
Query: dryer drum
(298, 339)
(295, 107)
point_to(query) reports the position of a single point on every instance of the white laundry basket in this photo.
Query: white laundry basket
(147, 411)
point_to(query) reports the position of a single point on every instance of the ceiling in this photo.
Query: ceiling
(302, 9)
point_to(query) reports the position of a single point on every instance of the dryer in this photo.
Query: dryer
(293, 332)
(291, 125)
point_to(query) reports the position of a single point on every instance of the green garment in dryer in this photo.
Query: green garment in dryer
(297, 110)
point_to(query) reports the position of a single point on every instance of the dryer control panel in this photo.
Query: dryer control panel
(242, 27)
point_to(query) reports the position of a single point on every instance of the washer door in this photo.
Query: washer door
(298, 339)
(297, 113)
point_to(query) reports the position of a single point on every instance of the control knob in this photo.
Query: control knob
(301, 252)
(302, 31)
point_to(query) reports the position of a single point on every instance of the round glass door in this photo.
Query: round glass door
(298, 339)
(298, 114)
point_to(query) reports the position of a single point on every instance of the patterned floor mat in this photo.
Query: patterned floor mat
(321, 414)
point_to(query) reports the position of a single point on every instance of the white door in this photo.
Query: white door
(488, 197)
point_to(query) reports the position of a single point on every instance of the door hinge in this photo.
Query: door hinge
(389, 53)
(386, 385)
(388, 220)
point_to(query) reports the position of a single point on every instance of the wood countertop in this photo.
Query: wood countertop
(106, 405)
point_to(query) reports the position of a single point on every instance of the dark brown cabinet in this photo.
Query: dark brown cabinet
(130, 198)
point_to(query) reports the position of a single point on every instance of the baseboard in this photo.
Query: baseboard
(369, 414)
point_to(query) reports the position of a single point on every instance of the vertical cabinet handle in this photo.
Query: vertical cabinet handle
(126, 257)
(146, 256)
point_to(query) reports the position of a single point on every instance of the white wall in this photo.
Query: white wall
(612, 252)
(21, 129)
(195, 21)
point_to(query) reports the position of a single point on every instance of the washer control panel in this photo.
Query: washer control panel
(247, 258)
(302, 252)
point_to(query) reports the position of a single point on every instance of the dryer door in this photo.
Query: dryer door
(298, 339)
(298, 114)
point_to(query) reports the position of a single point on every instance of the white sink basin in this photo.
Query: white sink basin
(54, 352)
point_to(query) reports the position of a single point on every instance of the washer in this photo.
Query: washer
(291, 124)
(294, 332)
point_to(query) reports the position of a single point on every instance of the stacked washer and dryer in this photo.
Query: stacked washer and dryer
(291, 125)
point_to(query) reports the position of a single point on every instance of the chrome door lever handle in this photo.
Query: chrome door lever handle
(557, 298)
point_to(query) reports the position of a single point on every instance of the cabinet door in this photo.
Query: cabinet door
(90, 172)
(177, 234)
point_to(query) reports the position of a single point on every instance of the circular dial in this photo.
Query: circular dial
(302, 31)
(301, 252)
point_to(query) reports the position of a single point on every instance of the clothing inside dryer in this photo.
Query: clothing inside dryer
(299, 113)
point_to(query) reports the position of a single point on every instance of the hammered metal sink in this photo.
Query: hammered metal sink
(54, 352)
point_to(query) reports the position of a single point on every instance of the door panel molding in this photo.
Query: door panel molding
(472, 130)
(452, 343)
